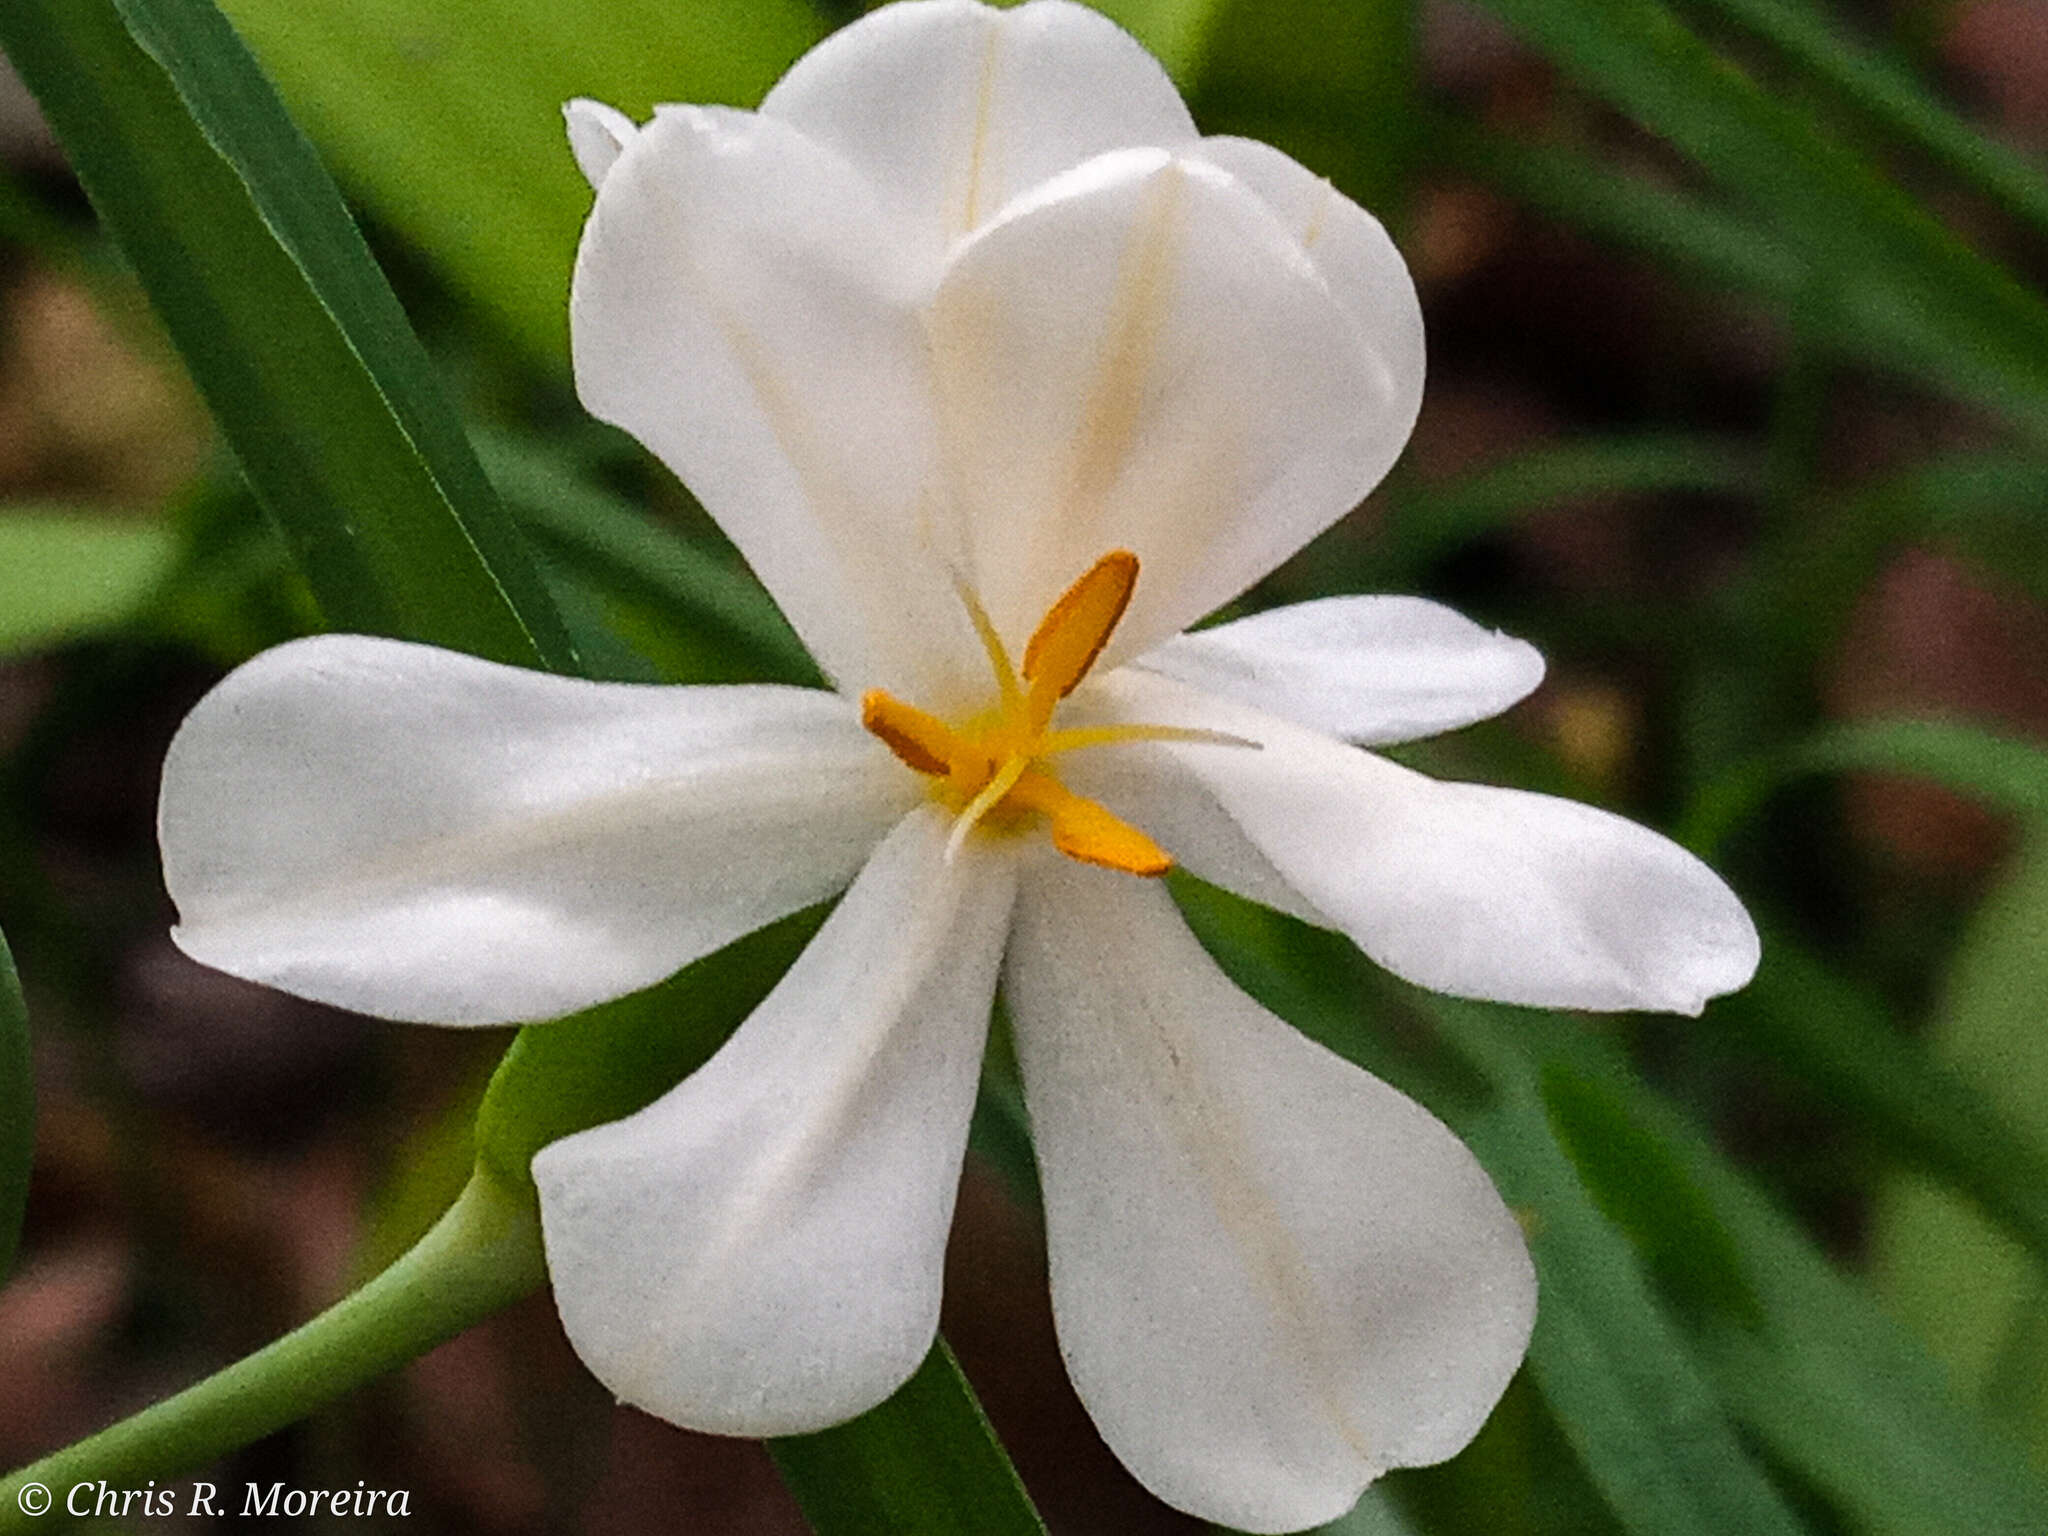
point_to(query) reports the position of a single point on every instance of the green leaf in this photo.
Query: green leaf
(1831, 1386)
(1976, 1297)
(1613, 1365)
(1424, 523)
(1878, 266)
(1892, 96)
(1679, 230)
(924, 1463)
(2003, 772)
(286, 324)
(1839, 1039)
(445, 116)
(608, 1061)
(17, 1109)
(66, 574)
(616, 548)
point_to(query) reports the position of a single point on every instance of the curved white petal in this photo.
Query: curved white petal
(1366, 274)
(952, 108)
(597, 136)
(742, 307)
(1138, 355)
(1273, 1276)
(416, 834)
(759, 1251)
(1464, 888)
(1367, 669)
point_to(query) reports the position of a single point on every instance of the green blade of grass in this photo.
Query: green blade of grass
(1879, 266)
(1891, 96)
(444, 116)
(913, 1466)
(285, 322)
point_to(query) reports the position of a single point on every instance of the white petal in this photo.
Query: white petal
(1465, 888)
(1367, 669)
(740, 308)
(597, 135)
(417, 834)
(1140, 356)
(1274, 1277)
(759, 1252)
(953, 108)
(1365, 272)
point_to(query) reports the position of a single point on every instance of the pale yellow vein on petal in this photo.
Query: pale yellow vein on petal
(1137, 314)
(979, 194)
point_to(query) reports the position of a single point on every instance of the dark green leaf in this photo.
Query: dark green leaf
(1833, 1387)
(1893, 97)
(1614, 1366)
(1424, 523)
(925, 1463)
(606, 1062)
(2003, 772)
(285, 322)
(17, 1109)
(1878, 267)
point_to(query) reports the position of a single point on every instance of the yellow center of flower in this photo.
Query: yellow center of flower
(991, 769)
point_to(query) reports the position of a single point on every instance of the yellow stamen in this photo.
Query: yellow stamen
(1084, 830)
(989, 769)
(1074, 631)
(992, 644)
(922, 741)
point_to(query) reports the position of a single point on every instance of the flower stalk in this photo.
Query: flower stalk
(480, 1257)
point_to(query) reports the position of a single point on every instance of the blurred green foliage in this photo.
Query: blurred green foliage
(1704, 1362)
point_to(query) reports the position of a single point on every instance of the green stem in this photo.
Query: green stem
(482, 1255)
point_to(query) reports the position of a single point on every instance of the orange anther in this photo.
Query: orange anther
(1082, 829)
(1075, 629)
(922, 741)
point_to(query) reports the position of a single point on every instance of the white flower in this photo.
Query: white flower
(1000, 377)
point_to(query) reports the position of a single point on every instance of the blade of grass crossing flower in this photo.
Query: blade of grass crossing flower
(924, 1463)
(619, 550)
(1931, 306)
(1892, 96)
(17, 1109)
(286, 324)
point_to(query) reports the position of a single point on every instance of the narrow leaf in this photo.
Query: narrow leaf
(286, 324)
(925, 1463)
(1892, 96)
(1877, 263)
(1810, 1364)
(1614, 1367)
(445, 116)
